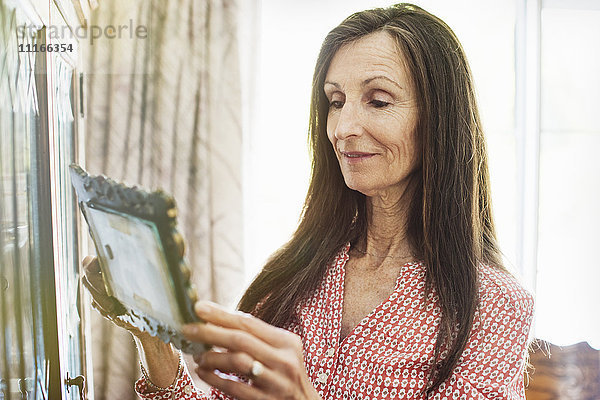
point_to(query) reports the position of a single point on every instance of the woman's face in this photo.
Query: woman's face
(372, 115)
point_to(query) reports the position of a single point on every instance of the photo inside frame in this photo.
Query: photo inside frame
(134, 264)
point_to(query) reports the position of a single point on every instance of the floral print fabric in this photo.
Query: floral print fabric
(388, 355)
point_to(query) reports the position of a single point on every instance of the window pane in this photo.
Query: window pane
(568, 273)
(17, 109)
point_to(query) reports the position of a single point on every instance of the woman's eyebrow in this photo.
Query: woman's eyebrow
(367, 81)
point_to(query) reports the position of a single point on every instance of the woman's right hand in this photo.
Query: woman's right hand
(160, 359)
(106, 305)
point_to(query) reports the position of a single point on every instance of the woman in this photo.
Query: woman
(391, 287)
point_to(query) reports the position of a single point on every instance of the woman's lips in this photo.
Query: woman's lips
(356, 156)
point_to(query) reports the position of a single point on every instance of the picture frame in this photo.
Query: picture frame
(141, 257)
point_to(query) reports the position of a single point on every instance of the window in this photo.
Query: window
(569, 174)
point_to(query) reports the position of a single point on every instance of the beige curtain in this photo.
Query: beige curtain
(163, 110)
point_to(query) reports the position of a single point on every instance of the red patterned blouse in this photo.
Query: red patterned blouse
(389, 353)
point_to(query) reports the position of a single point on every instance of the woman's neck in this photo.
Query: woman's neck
(387, 235)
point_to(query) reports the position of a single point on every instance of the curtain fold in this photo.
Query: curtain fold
(164, 111)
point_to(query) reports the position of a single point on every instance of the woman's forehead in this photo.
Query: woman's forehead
(376, 54)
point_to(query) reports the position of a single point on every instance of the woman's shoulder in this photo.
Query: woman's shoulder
(497, 285)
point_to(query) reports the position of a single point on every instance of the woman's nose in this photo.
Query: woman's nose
(350, 122)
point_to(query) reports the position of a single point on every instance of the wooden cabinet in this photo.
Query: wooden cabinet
(569, 372)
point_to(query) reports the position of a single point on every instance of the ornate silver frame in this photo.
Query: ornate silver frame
(101, 196)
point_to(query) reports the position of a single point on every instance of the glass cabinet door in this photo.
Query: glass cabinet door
(41, 335)
(18, 129)
(64, 223)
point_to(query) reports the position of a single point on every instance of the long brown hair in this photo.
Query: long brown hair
(450, 221)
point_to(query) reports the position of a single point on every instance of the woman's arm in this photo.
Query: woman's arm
(159, 359)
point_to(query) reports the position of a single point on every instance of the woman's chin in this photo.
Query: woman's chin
(362, 187)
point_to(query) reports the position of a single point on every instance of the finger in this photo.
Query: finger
(101, 297)
(211, 312)
(102, 310)
(93, 274)
(197, 357)
(241, 364)
(91, 264)
(94, 290)
(109, 309)
(231, 386)
(93, 281)
(233, 340)
(114, 319)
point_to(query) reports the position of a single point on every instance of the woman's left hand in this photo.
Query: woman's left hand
(247, 340)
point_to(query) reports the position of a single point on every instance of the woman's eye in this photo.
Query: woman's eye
(379, 103)
(336, 104)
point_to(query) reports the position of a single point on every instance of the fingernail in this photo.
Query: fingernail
(201, 308)
(197, 357)
(200, 360)
(189, 330)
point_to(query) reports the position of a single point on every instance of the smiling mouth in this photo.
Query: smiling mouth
(356, 155)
